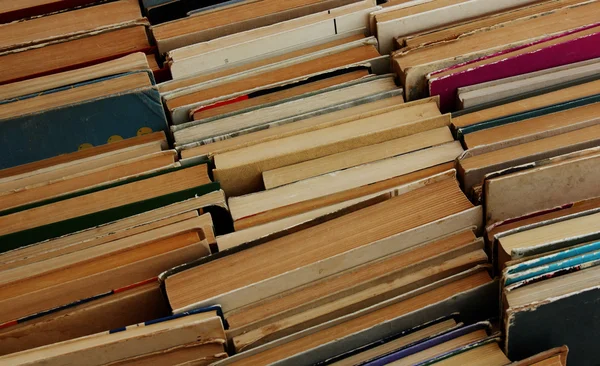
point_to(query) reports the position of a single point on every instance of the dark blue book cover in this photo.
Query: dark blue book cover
(68, 128)
(572, 320)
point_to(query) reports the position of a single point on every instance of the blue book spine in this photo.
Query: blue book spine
(67, 129)
(558, 269)
(552, 258)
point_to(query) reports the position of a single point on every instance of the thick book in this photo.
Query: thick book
(81, 51)
(535, 306)
(39, 134)
(70, 24)
(403, 339)
(546, 183)
(558, 355)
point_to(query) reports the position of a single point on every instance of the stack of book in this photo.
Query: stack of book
(91, 231)
(300, 182)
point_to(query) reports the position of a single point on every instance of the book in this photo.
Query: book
(236, 106)
(562, 172)
(275, 40)
(347, 159)
(391, 328)
(133, 62)
(242, 67)
(180, 299)
(39, 252)
(54, 173)
(65, 25)
(156, 140)
(529, 129)
(451, 31)
(487, 351)
(180, 104)
(91, 50)
(526, 271)
(161, 11)
(293, 223)
(271, 216)
(397, 341)
(511, 62)
(555, 356)
(538, 216)
(562, 293)
(473, 166)
(530, 106)
(67, 109)
(115, 309)
(196, 69)
(413, 65)
(363, 320)
(14, 11)
(108, 174)
(371, 283)
(574, 230)
(435, 347)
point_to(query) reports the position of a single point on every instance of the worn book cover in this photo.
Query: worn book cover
(40, 135)
(536, 327)
(535, 56)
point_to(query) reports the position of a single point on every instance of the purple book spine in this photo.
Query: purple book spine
(405, 352)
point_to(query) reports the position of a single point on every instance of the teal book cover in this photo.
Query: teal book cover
(45, 134)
